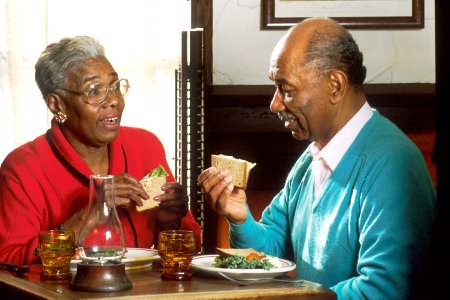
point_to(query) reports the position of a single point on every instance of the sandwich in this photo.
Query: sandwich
(152, 183)
(239, 169)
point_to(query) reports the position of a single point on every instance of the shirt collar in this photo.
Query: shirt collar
(335, 149)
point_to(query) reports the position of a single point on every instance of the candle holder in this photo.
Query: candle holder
(101, 242)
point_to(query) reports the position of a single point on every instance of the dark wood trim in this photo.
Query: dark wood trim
(203, 19)
(411, 106)
(442, 152)
(442, 149)
(384, 95)
(270, 22)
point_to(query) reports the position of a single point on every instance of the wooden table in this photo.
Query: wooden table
(147, 284)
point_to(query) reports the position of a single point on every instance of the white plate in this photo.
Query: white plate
(204, 263)
(135, 258)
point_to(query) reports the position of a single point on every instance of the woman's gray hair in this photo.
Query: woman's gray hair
(58, 58)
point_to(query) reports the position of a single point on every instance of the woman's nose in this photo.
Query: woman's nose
(112, 98)
(276, 105)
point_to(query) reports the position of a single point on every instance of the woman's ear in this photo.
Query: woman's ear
(54, 103)
(338, 85)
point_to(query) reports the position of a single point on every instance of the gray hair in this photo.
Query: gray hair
(57, 59)
(332, 46)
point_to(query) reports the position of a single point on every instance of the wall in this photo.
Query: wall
(241, 51)
(142, 39)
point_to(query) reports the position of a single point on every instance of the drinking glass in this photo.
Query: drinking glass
(56, 249)
(176, 248)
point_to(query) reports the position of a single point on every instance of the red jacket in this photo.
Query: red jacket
(44, 182)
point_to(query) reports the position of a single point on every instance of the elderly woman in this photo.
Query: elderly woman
(44, 184)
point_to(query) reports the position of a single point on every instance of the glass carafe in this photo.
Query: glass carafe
(101, 239)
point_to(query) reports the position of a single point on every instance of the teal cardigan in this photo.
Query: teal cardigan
(367, 234)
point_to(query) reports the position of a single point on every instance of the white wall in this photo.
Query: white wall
(142, 40)
(241, 51)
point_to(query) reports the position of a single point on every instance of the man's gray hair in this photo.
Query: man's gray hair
(332, 46)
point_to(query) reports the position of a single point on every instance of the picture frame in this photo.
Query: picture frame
(352, 14)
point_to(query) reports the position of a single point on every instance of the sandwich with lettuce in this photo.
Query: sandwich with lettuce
(152, 183)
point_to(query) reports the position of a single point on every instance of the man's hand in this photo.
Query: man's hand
(221, 195)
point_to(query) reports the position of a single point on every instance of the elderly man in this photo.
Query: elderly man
(357, 209)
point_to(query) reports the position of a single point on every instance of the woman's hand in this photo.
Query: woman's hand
(173, 205)
(221, 195)
(128, 190)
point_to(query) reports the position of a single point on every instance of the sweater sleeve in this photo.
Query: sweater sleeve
(20, 207)
(271, 234)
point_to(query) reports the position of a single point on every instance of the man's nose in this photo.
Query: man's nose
(276, 105)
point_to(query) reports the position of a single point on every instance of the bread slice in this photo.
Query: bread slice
(239, 169)
(152, 186)
(226, 252)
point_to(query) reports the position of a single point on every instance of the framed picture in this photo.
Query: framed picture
(353, 14)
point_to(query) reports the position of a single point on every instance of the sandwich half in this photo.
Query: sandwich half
(239, 169)
(152, 183)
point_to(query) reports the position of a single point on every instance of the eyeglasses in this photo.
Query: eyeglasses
(97, 92)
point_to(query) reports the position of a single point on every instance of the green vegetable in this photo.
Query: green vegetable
(239, 262)
(159, 171)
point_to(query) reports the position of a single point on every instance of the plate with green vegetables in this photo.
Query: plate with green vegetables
(239, 267)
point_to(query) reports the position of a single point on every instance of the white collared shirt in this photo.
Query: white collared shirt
(335, 149)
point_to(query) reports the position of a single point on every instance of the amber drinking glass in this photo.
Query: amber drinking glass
(176, 248)
(56, 249)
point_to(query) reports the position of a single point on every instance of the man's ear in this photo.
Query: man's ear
(338, 85)
(54, 103)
